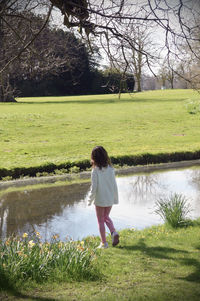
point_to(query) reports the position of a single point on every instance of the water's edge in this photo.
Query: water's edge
(61, 208)
(86, 175)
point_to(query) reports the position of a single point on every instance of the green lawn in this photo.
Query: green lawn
(35, 131)
(155, 264)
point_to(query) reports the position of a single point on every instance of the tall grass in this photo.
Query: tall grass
(173, 210)
(27, 258)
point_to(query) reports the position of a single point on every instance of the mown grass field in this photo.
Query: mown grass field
(155, 264)
(35, 131)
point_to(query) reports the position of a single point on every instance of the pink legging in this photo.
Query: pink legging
(103, 217)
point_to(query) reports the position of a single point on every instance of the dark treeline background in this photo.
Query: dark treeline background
(88, 81)
(60, 64)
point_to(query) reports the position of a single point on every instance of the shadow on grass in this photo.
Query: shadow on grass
(5, 283)
(195, 276)
(157, 252)
(101, 101)
(167, 253)
(25, 297)
(8, 289)
(4, 295)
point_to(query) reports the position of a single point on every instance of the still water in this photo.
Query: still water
(64, 211)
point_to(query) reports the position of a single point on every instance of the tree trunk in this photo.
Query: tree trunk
(6, 91)
(139, 89)
(172, 80)
(138, 82)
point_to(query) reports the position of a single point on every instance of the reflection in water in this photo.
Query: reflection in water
(27, 210)
(195, 178)
(144, 187)
(63, 210)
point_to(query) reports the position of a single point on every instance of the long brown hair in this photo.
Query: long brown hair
(99, 157)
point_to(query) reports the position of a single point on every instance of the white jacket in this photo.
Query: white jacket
(103, 191)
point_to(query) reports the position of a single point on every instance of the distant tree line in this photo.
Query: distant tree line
(82, 79)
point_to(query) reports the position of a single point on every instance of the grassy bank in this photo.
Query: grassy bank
(157, 263)
(38, 131)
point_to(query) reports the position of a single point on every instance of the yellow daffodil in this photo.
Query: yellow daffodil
(56, 236)
(60, 244)
(80, 248)
(31, 243)
(25, 235)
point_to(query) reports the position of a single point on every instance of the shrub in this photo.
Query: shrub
(173, 210)
(74, 169)
(8, 178)
(131, 160)
(193, 106)
(60, 171)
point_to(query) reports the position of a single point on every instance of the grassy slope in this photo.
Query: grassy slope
(156, 264)
(58, 129)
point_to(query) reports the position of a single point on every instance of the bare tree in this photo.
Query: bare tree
(31, 48)
(167, 74)
(137, 55)
(174, 22)
(16, 37)
(189, 67)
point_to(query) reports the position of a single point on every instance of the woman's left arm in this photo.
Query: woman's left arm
(93, 189)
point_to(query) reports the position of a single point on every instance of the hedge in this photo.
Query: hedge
(133, 160)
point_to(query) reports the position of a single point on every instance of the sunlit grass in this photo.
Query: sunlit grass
(157, 263)
(39, 130)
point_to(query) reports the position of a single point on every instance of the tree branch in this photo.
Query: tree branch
(29, 43)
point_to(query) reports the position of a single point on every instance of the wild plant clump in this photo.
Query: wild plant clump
(193, 106)
(173, 210)
(27, 258)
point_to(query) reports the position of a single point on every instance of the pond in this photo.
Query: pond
(63, 210)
